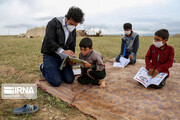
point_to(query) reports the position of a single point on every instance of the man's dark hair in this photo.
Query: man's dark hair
(76, 14)
(163, 33)
(127, 26)
(86, 42)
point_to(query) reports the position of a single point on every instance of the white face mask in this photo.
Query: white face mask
(158, 44)
(127, 32)
(70, 27)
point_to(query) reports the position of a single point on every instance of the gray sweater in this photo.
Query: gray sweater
(95, 59)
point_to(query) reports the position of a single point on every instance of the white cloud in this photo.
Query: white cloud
(109, 15)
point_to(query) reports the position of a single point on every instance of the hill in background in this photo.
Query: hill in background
(176, 35)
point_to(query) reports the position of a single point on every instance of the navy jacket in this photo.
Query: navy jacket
(130, 44)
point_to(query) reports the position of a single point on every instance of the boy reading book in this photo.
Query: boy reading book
(160, 56)
(130, 44)
(93, 70)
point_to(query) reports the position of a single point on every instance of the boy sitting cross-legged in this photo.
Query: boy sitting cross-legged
(93, 71)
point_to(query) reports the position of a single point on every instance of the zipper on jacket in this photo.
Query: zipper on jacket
(158, 58)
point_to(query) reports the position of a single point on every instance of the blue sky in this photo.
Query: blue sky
(146, 16)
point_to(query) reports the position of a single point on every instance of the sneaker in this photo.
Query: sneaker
(174, 61)
(41, 69)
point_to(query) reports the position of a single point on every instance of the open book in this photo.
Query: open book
(77, 71)
(147, 80)
(122, 62)
(72, 59)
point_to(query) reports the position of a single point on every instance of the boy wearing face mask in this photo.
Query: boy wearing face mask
(60, 38)
(160, 56)
(129, 45)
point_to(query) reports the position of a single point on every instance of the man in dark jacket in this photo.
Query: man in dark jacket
(130, 44)
(60, 39)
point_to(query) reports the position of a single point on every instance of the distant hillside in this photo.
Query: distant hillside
(36, 32)
(176, 35)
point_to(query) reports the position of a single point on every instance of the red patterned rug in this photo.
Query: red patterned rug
(124, 98)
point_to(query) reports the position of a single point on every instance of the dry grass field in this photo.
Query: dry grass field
(19, 63)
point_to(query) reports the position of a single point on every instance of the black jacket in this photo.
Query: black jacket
(55, 38)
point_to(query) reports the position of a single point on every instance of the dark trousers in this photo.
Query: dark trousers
(91, 76)
(132, 61)
(162, 84)
(53, 74)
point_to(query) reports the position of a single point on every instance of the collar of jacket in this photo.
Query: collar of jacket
(134, 34)
(161, 48)
(88, 53)
(63, 24)
(61, 20)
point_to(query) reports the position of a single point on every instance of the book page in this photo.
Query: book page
(158, 79)
(76, 60)
(124, 61)
(63, 64)
(117, 64)
(77, 71)
(143, 77)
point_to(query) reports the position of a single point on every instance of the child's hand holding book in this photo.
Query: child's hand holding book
(153, 73)
(87, 64)
(150, 72)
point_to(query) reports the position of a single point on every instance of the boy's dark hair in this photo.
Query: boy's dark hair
(76, 14)
(86, 42)
(127, 26)
(163, 33)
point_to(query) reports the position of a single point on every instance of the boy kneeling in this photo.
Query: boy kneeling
(93, 71)
(160, 56)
